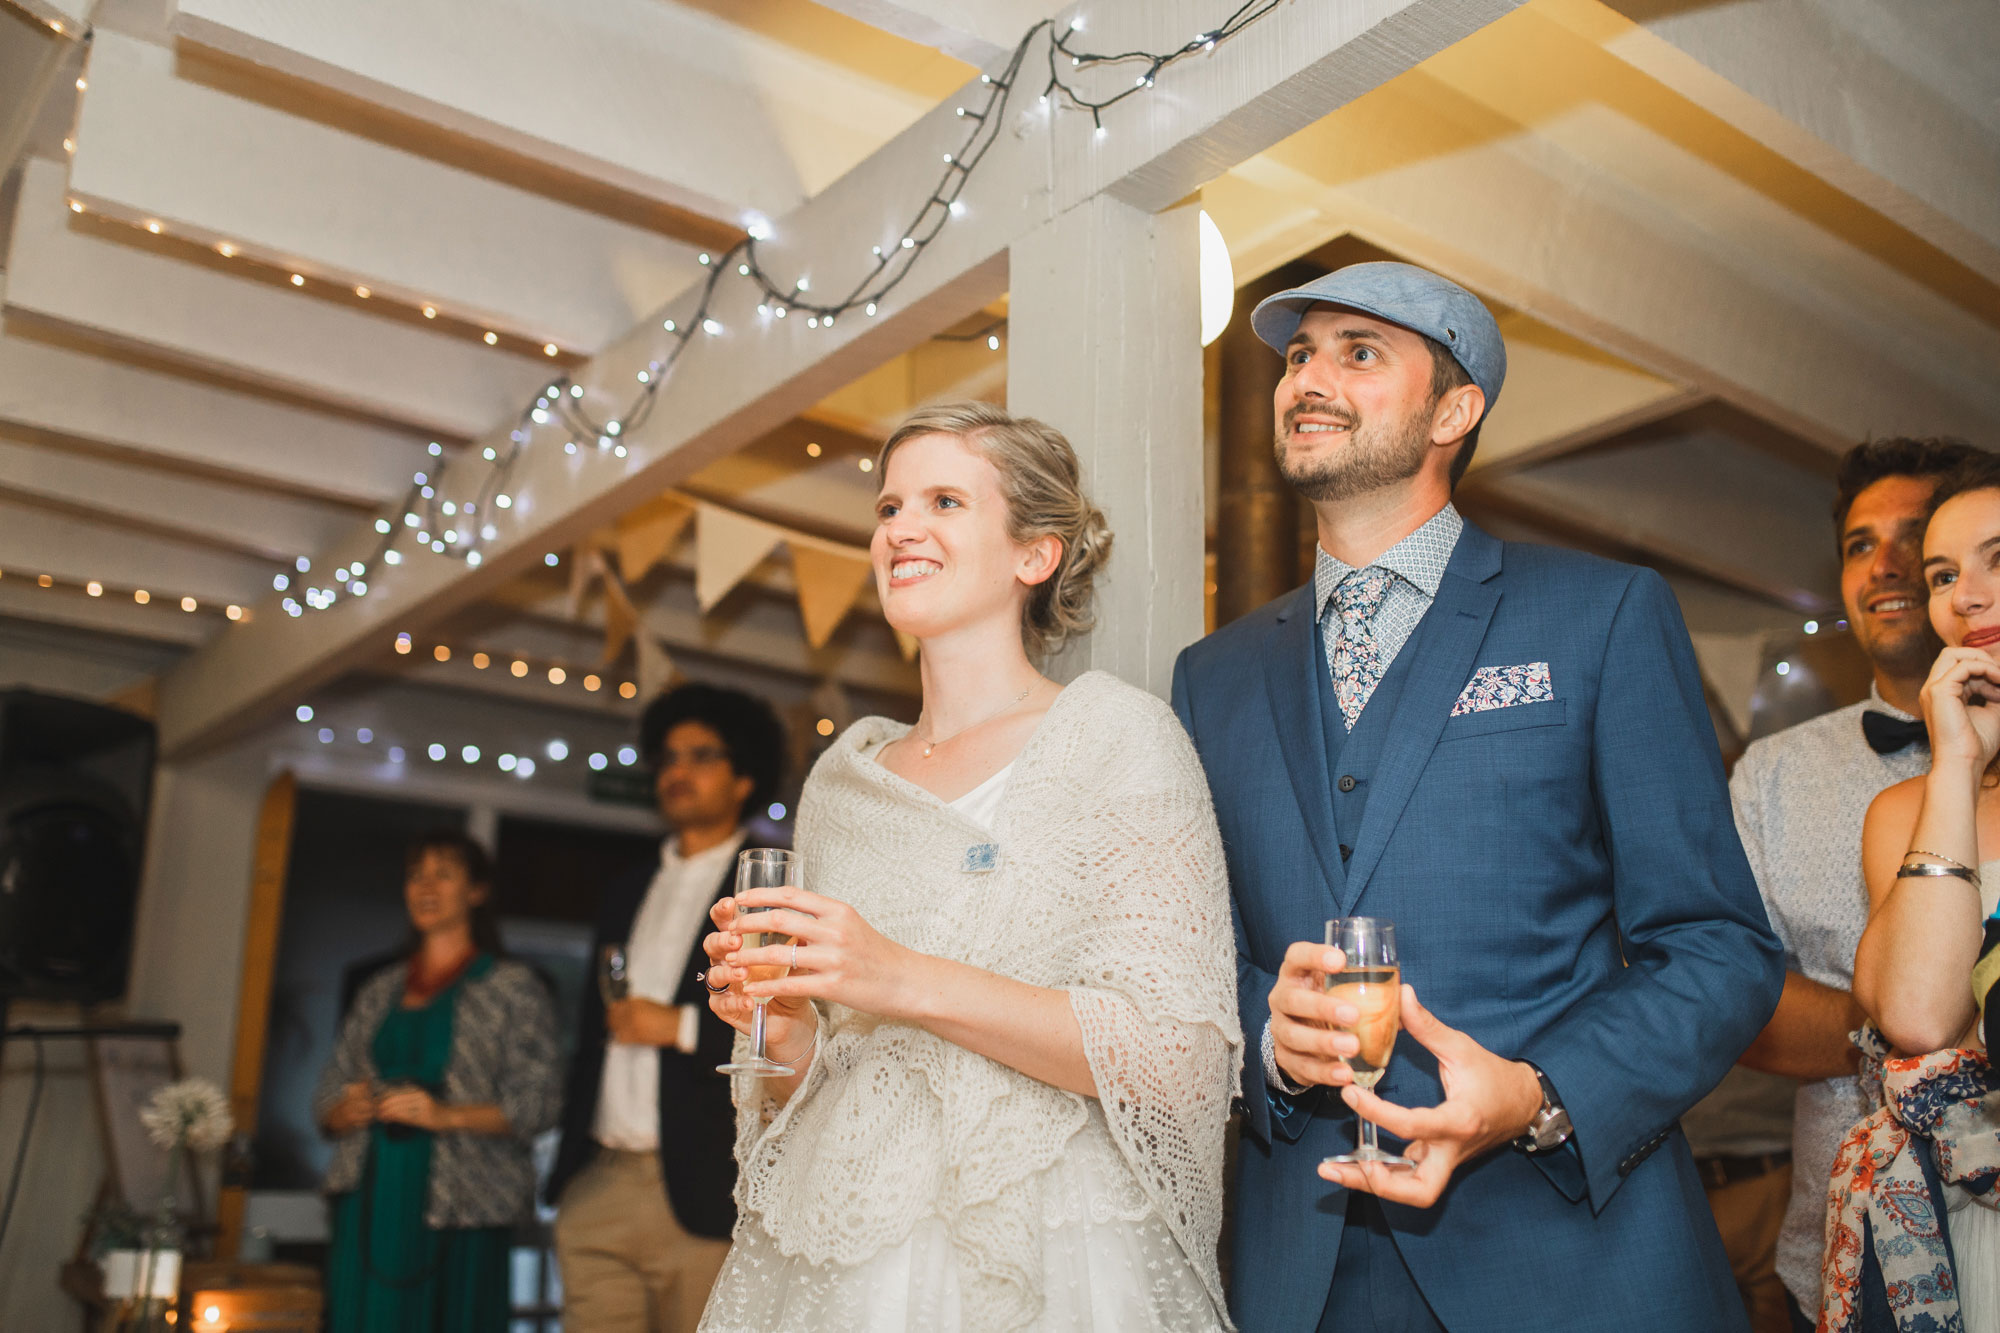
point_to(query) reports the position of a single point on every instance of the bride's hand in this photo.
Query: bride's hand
(788, 1024)
(1961, 705)
(840, 957)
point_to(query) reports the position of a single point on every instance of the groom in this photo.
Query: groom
(1503, 749)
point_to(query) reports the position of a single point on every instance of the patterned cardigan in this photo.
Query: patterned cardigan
(504, 1052)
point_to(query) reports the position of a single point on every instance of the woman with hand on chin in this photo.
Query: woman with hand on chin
(445, 1070)
(1930, 887)
(1011, 998)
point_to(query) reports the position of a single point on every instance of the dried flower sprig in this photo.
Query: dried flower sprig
(192, 1113)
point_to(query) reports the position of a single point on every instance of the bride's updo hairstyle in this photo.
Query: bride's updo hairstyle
(1042, 485)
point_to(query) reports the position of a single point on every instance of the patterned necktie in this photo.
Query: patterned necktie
(1357, 662)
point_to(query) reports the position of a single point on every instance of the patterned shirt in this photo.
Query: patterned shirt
(1418, 562)
(1800, 797)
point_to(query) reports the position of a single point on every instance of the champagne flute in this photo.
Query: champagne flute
(1372, 982)
(614, 981)
(762, 868)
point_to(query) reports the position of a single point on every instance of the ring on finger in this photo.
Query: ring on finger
(794, 962)
(702, 977)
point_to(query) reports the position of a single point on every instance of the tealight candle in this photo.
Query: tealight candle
(210, 1320)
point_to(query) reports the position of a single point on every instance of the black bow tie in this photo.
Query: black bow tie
(1886, 734)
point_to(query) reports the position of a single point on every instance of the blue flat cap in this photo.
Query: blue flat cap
(1404, 294)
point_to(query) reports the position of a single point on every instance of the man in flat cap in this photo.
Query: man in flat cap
(1503, 750)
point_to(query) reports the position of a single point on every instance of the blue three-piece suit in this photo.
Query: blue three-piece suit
(1533, 796)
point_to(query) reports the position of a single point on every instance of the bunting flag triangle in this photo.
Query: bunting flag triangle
(727, 547)
(827, 584)
(649, 532)
(620, 616)
(656, 669)
(585, 564)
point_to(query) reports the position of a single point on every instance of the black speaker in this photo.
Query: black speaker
(76, 779)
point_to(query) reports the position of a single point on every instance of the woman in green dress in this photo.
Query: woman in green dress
(445, 1070)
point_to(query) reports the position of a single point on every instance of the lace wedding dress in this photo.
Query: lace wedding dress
(910, 1184)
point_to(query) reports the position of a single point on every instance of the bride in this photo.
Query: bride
(1012, 1001)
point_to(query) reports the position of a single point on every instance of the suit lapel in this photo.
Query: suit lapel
(1445, 646)
(1292, 690)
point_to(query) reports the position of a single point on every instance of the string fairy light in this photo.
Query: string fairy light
(99, 588)
(457, 529)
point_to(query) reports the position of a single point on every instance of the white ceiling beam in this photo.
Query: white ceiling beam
(1700, 498)
(1278, 75)
(1561, 238)
(32, 56)
(104, 407)
(204, 512)
(158, 621)
(1860, 94)
(75, 550)
(66, 17)
(975, 31)
(1563, 394)
(655, 99)
(75, 272)
(212, 166)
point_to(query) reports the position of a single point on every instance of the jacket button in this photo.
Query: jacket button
(1346, 782)
(1345, 851)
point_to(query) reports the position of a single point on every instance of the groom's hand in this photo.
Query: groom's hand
(1488, 1101)
(1303, 1042)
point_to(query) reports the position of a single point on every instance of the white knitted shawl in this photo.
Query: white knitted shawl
(1108, 883)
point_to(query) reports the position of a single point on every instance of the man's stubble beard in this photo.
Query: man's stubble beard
(1367, 463)
(1906, 656)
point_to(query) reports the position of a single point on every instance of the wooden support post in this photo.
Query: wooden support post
(1105, 345)
(1257, 513)
(253, 1006)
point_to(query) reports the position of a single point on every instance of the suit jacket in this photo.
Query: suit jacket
(697, 1118)
(1567, 887)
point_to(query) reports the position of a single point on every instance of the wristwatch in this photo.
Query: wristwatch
(1550, 1128)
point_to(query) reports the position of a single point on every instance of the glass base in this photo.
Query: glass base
(757, 1068)
(1375, 1155)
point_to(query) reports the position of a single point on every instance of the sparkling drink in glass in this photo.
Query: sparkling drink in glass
(1372, 981)
(762, 868)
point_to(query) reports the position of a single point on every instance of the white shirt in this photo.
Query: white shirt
(666, 931)
(983, 802)
(1800, 797)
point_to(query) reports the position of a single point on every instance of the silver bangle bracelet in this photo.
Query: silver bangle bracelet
(1927, 870)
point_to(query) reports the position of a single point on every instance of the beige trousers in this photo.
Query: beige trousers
(1749, 1215)
(628, 1266)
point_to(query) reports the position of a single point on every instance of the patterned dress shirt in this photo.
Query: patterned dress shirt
(1800, 797)
(1418, 563)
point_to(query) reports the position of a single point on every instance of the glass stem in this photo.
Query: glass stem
(757, 1030)
(1366, 1133)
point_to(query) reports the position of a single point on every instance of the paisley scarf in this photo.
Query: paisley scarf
(1935, 1110)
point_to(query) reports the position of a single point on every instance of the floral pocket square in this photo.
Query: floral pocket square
(1504, 687)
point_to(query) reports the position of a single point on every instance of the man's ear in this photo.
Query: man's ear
(1457, 413)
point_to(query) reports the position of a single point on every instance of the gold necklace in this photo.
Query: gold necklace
(930, 745)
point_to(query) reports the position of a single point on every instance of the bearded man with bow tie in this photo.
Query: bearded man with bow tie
(1800, 797)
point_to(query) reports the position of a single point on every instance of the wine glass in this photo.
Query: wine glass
(614, 982)
(762, 868)
(1372, 982)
